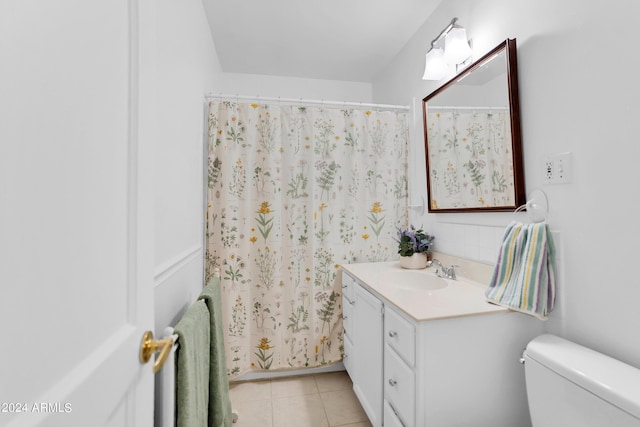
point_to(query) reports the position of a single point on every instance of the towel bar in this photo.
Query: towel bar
(537, 207)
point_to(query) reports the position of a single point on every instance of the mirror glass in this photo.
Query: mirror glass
(472, 137)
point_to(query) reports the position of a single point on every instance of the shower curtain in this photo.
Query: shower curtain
(470, 158)
(293, 192)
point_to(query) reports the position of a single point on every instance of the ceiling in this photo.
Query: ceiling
(347, 40)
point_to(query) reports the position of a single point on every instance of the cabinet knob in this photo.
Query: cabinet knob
(392, 382)
(393, 334)
(344, 317)
(345, 286)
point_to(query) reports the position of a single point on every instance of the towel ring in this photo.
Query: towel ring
(537, 207)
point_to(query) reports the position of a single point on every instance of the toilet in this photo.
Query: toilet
(570, 385)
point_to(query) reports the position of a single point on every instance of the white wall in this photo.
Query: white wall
(179, 66)
(578, 93)
(291, 87)
(229, 83)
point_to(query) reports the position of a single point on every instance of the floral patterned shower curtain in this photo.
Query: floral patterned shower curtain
(294, 191)
(468, 156)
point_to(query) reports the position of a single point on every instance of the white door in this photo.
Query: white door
(76, 242)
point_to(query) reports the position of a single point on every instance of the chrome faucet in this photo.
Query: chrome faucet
(447, 273)
(438, 264)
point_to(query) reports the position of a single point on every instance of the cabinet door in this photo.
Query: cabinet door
(348, 306)
(390, 417)
(368, 363)
(348, 357)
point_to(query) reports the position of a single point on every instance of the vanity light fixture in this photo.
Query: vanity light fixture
(456, 51)
(435, 68)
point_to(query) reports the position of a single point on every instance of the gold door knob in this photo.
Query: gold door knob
(150, 346)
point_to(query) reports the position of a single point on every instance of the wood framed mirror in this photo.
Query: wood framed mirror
(473, 141)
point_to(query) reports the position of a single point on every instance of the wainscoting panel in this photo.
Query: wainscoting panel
(177, 283)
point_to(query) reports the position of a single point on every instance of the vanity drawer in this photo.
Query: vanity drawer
(400, 335)
(399, 386)
(348, 286)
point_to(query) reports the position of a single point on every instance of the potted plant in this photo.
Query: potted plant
(413, 247)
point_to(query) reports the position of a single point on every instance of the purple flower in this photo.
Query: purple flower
(412, 241)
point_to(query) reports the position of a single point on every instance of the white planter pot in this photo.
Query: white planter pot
(415, 261)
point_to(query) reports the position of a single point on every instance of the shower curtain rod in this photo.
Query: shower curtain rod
(307, 101)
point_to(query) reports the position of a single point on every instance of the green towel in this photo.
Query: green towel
(192, 367)
(219, 404)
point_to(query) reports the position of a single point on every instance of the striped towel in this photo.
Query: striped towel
(524, 276)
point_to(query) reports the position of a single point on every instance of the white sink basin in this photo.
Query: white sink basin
(411, 280)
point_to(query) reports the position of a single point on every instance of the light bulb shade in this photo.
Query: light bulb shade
(435, 67)
(456, 46)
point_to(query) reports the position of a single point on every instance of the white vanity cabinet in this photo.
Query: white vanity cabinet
(379, 355)
(363, 346)
(416, 371)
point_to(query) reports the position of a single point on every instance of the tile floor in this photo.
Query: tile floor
(322, 400)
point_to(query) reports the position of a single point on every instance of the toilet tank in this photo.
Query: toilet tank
(571, 385)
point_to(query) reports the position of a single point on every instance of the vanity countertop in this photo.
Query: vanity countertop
(462, 297)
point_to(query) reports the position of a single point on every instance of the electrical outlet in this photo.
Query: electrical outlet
(548, 170)
(558, 168)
